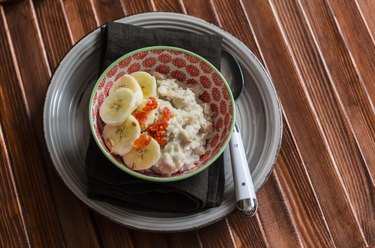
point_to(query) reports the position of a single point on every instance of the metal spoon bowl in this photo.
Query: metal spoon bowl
(231, 70)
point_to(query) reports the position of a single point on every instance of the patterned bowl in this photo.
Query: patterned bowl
(188, 68)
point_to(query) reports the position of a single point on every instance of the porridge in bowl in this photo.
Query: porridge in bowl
(156, 124)
(177, 118)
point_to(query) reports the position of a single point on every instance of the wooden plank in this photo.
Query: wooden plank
(357, 39)
(183, 240)
(246, 232)
(35, 197)
(316, 155)
(279, 227)
(201, 9)
(300, 195)
(230, 14)
(151, 239)
(367, 8)
(80, 16)
(54, 30)
(23, 30)
(13, 232)
(169, 6)
(112, 234)
(346, 83)
(209, 235)
(108, 10)
(216, 235)
(135, 7)
(334, 124)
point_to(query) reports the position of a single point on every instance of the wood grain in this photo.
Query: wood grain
(300, 195)
(34, 194)
(202, 9)
(320, 55)
(357, 39)
(346, 81)
(226, 11)
(179, 240)
(367, 8)
(279, 227)
(80, 16)
(322, 169)
(350, 163)
(13, 232)
(209, 235)
(70, 210)
(112, 235)
(55, 33)
(135, 7)
(182, 240)
(251, 236)
(107, 10)
(169, 6)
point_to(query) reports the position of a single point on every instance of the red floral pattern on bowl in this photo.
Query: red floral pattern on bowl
(183, 66)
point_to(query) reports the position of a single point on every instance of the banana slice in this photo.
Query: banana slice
(143, 158)
(117, 107)
(147, 83)
(119, 138)
(131, 83)
(151, 115)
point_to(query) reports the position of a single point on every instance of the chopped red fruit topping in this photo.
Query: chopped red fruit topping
(167, 114)
(158, 125)
(158, 131)
(161, 140)
(151, 104)
(141, 117)
(142, 141)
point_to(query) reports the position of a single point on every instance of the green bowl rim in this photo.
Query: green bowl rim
(123, 166)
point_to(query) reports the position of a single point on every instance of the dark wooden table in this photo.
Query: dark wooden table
(321, 57)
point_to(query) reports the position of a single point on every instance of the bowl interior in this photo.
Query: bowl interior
(190, 69)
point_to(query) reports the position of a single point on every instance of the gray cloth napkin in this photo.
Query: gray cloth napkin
(108, 183)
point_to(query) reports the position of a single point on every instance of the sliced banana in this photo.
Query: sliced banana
(117, 107)
(147, 83)
(143, 158)
(151, 115)
(127, 81)
(119, 138)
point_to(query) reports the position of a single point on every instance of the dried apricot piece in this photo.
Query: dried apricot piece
(167, 114)
(151, 104)
(141, 117)
(142, 141)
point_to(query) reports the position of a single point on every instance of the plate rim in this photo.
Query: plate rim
(192, 226)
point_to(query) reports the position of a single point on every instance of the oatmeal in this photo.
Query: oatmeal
(187, 130)
(155, 123)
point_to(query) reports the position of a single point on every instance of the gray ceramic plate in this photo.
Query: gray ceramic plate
(67, 130)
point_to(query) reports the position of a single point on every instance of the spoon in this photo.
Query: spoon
(246, 199)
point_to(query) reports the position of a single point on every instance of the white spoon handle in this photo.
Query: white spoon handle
(243, 183)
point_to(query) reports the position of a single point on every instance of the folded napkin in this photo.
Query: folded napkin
(108, 183)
